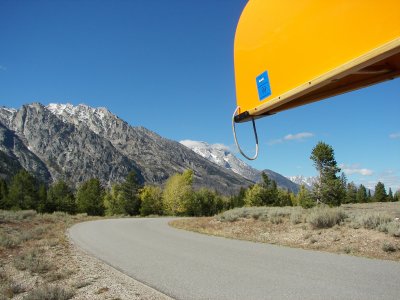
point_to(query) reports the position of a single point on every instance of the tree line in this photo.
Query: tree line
(178, 197)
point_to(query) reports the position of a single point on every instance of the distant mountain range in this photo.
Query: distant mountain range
(308, 182)
(75, 143)
(221, 155)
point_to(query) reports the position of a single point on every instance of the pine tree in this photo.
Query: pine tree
(396, 196)
(130, 193)
(238, 199)
(42, 194)
(390, 196)
(114, 201)
(369, 198)
(362, 196)
(269, 192)
(89, 198)
(351, 193)
(329, 189)
(60, 198)
(380, 193)
(23, 191)
(304, 198)
(283, 198)
(4, 203)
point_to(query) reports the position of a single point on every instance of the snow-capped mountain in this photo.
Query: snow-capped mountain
(76, 143)
(97, 119)
(222, 156)
(308, 182)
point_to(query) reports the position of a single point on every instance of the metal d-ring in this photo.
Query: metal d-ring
(236, 141)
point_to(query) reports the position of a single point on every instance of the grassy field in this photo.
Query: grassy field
(369, 230)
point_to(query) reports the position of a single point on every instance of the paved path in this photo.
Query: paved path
(186, 265)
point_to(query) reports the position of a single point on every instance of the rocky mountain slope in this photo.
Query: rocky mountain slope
(15, 155)
(76, 143)
(222, 156)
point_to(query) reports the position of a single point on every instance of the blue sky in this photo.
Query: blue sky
(168, 66)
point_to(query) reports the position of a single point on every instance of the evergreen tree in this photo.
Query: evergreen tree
(351, 193)
(396, 196)
(151, 199)
(362, 196)
(238, 199)
(60, 198)
(369, 198)
(204, 203)
(380, 193)
(114, 201)
(177, 193)
(23, 191)
(130, 192)
(269, 191)
(42, 194)
(4, 203)
(89, 198)
(329, 189)
(283, 198)
(390, 197)
(304, 198)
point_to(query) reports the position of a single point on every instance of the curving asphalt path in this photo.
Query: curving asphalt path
(186, 265)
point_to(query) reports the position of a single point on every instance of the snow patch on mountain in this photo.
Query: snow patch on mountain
(222, 156)
(308, 182)
(7, 114)
(97, 119)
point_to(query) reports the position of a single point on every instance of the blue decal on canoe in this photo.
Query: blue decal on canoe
(263, 86)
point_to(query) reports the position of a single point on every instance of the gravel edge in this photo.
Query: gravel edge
(102, 281)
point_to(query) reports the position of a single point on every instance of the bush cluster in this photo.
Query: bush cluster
(326, 217)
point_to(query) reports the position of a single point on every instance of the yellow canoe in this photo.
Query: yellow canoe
(289, 53)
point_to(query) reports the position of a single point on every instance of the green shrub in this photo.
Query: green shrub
(388, 247)
(8, 241)
(276, 219)
(373, 220)
(325, 217)
(10, 215)
(262, 213)
(32, 261)
(296, 217)
(391, 228)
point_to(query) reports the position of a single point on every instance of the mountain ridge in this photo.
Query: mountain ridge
(79, 142)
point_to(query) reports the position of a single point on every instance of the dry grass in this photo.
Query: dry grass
(37, 261)
(370, 230)
(34, 254)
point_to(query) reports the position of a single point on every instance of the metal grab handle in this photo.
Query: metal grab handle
(236, 142)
